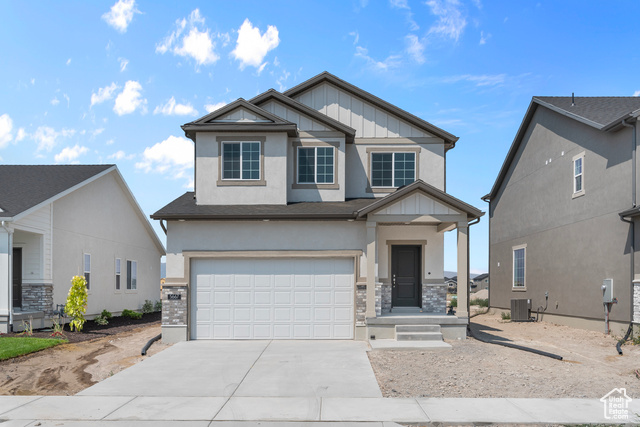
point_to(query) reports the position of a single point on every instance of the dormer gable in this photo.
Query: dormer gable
(240, 116)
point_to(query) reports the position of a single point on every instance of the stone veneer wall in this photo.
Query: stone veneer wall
(386, 298)
(174, 312)
(434, 298)
(38, 297)
(361, 304)
(378, 299)
(636, 302)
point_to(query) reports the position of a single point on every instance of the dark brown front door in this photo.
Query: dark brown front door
(17, 277)
(405, 276)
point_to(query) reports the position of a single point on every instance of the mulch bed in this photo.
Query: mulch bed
(92, 330)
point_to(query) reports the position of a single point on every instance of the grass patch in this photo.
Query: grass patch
(18, 346)
(480, 302)
(506, 315)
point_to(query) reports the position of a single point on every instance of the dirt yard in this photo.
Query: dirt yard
(590, 369)
(70, 368)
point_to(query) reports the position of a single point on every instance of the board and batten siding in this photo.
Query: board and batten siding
(304, 123)
(37, 225)
(368, 120)
(241, 115)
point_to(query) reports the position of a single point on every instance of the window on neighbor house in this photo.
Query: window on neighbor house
(241, 160)
(87, 270)
(578, 175)
(315, 165)
(519, 267)
(392, 169)
(132, 275)
(118, 274)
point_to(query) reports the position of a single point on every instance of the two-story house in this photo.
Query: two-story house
(563, 213)
(317, 213)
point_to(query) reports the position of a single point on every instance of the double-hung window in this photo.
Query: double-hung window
(315, 165)
(118, 274)
(132, 275)
(87, 270)
(578, 175)
(519, 271)
(392, 169)
(241, 160)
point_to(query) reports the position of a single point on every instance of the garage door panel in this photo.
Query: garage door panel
(273, 298)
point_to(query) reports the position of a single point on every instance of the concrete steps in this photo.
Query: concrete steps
(418, 333)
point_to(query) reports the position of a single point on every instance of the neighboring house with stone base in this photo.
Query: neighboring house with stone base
(564, 217)
(58, 221)
(318, 213)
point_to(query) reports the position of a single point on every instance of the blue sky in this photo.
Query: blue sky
(106, 82)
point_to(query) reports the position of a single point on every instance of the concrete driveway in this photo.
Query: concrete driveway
(248, 369)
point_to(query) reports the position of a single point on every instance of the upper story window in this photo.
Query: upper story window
(519, 271)
(241, 160)
(578, 175)
(392, 169)
(316, 165)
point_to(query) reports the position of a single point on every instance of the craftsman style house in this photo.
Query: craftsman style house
(564, 215)
(318, 213)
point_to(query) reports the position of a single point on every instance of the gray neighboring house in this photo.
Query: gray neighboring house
(480, 282)
(563, 212)
(58, 221)
(318, 213)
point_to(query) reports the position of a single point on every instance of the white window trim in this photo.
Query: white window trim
(126, 287)
(573, 175)
(315, 159)
(513, 268)
(115, 267)
(241, 144)
(393, 166)
(84, 269)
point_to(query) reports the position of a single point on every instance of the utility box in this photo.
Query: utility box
(520, 310)
(607, 291)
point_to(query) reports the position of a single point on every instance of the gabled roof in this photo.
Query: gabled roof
(206, 123)
(429, 190)
(303, 109)
(604, 113)
(481, 276)
(27, 186)
(449, 139)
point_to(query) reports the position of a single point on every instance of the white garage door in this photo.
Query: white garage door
(275, 298)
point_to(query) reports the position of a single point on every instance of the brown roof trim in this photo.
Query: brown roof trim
(419, 185)
(291, 129)
(380, 103)
(300, 107)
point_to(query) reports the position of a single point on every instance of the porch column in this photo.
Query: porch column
(371, 269)
(6, 248)
(463, 269)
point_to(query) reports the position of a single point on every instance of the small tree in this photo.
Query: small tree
(76, 305)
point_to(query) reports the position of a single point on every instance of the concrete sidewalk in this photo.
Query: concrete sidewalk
(19, 411)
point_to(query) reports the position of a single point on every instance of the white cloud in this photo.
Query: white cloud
(400, 4)
(356, 37)
(130, 99)
(282, 80)
(55, 101)
(20, 135)
(451, 21)
(213, 107)
(171, 108)
(174, 155)
(97, 132)
(392, 61)
(636, 93)
(123, 64)
(67, 98)
(415, 48)
(121, 14)
(109, 141)
(70, 154)
(121, 155)
(251, 47)
(6, 126)
(478, 80)
(192, 39)
(68, 61)
(47, 137)
(483, 38)
(103, 94)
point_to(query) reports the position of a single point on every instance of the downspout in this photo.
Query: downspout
(474, 222)
(632, 229)
(10, 270)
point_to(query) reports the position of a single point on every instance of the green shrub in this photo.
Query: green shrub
(479, 302)
(106, 314)
(157, 306)
(76, 305)
(454, 302)
(101, 320)
(131, 314)
(505, 315)
(147, 307)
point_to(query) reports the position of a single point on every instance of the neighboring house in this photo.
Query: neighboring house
(61, 221)
(317, 213)
(480, 282)
(452, 284)
(563, 212)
